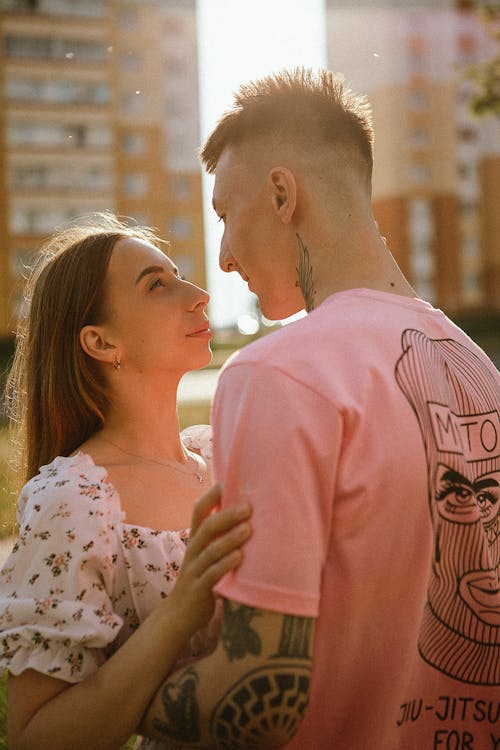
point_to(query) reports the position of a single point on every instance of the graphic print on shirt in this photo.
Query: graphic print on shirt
(456, 400)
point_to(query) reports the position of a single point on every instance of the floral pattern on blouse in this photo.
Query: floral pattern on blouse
(79, 580)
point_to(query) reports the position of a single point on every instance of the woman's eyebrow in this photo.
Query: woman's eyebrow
(148, 270)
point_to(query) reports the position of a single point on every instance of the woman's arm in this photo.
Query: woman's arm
(103, 710)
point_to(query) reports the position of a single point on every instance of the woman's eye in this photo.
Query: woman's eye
(156, 283)
(222, 218)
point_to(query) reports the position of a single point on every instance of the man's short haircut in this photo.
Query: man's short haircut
(300, 106)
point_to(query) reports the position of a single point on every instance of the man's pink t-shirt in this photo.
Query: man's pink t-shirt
(367, 438)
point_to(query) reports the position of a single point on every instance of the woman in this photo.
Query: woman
(89, 606)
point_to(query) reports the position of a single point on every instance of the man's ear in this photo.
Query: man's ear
(283, 191)
(94, 344)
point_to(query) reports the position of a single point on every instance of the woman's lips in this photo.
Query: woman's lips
(201, 333)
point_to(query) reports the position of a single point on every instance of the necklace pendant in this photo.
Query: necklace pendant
(199, 477)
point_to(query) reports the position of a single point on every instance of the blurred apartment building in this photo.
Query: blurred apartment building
(437, 168)
(98, 110)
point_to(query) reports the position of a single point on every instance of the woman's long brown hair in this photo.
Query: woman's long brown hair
(56, 394)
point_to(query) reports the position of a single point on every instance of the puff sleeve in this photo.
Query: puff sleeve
(56, 607)
(198, 438)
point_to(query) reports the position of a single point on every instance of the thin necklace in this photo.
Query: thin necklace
(167, 463)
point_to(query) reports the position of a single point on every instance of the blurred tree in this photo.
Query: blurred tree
(486, 75)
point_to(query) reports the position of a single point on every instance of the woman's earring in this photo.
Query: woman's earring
(117, 362)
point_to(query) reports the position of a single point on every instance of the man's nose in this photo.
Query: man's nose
(226, 260)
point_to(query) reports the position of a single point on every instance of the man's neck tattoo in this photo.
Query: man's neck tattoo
(305, 274)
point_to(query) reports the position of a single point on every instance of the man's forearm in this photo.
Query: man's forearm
(251, 692)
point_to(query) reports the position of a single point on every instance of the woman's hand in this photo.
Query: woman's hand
(213, 550)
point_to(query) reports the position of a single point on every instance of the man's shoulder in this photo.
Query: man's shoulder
(270, 348)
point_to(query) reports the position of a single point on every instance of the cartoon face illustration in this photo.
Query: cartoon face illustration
(456, 400)
(463, 501)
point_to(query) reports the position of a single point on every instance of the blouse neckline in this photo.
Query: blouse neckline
(113, 492)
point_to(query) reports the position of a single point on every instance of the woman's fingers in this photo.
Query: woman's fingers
(213, 551)
(215, 525)
(215, 572)
(218, 549)
(204, 506)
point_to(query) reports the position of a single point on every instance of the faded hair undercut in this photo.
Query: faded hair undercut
(301, 106)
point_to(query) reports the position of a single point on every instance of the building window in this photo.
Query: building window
(54, 48)
(467, 134)
(130, 62)
(421, 219)
(136, 184)
(99, 136)
(84, 8)
(419, 173)
(472, 290)
(18, 6)
(180, 227)
(419, 137)
(180, 188)
(471, 248)
(127, 17)
(132, 102)
(28, 219)
(29, 178)
(468, 208)
(186, 265)
(133, 144)
(421, 234)
(50, 135)
(60, 92)
(466, 171)
(418, 100)
(44, 177)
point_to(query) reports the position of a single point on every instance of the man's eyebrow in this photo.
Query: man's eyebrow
(148, 270)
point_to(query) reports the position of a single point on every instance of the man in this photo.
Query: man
(366, 436)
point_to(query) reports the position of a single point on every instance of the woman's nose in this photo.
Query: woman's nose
(202, 297)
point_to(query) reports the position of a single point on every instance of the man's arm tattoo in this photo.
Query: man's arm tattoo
(295, 637)
(305, 274)
(182, 715)
(237, 637)
(265, 704)
(268, 702)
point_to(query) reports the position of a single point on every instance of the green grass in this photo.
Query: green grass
(7, 489)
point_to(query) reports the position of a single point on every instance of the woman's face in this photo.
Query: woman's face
(156, 320)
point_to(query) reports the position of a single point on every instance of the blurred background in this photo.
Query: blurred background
(104, 103)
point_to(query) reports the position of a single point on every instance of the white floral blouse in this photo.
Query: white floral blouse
(79, 580)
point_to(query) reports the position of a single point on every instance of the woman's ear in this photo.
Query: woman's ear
(283, 190)
(94, 344)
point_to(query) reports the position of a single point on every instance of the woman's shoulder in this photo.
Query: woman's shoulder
(67, 485)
